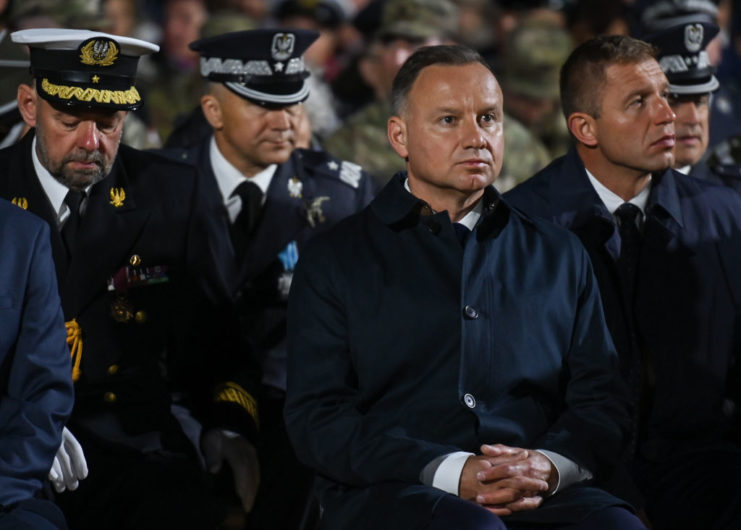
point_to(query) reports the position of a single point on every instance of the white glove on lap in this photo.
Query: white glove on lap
(219, 445)
(69, 466)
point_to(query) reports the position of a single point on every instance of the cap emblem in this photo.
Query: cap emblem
(98, 52)
(693, 34)
(282, 47)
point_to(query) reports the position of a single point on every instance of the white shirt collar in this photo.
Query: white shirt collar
(684, 169)
(229, 177)
(470, 219)
(55, 190)
(612, 201)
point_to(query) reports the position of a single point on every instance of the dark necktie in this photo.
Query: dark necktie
(629, 216)
(244, 224)
(461, 231)
(73, 200)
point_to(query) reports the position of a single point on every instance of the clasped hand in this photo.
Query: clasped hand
(507, 479)
(219, 445)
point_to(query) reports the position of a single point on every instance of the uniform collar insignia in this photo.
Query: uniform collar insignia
(295, 186)
(118, 195)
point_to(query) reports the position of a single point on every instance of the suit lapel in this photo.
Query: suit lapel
(106, 236)
(283, 217)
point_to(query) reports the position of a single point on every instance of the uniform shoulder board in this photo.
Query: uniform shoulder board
(324, 163)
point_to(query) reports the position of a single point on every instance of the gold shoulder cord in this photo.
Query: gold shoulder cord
(74, 341)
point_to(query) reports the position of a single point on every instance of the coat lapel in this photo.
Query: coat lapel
(107, 233)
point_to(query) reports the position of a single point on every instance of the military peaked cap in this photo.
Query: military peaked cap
(84, 68)
(264, 66)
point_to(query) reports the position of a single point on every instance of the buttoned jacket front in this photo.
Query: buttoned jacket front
(404, 346)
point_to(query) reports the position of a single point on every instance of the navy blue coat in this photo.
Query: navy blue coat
(36, 394)
(683, 319)
(403, 347)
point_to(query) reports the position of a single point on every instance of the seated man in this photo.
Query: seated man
(449, 363)
(36, 393)
(666, 250)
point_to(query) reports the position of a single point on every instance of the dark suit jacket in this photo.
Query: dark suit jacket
(150, 297)
(403, 348)
(683, 319)
(286, 224)
(36, 394)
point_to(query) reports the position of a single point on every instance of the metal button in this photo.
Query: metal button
(469, 400)
(470, 312)
(110, 397)
(140, 317)
(113, 369)
(135, 260)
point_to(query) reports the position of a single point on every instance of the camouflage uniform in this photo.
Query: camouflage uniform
(524, 155)
(535, 52)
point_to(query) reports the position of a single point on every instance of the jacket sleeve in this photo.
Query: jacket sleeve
(592, 428)
(36, 396)
(329, 421)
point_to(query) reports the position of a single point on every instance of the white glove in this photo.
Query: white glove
(69, 466)
(219, 445)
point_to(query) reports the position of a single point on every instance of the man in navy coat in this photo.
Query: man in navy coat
(36, 394)
(666, 249)
(449, 363)
(150, 321)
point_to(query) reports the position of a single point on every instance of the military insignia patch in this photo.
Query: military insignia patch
(118, 195)
(282, 47)
(693, 34)
(20, 202)
(350, 174)
(314, 213)
(98, 51)
(295, 186)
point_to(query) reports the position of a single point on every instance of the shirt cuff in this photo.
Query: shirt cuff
(569, 472)
(444, 472)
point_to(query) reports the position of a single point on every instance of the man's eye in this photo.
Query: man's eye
(447, 120)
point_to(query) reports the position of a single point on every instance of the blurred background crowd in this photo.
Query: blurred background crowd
(362, 45)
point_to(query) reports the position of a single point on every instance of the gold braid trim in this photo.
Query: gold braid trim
(119, 97)
(233, 393)
(74, 341)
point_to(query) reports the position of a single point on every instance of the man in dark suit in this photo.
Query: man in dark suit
(666, 249)
(149, 318)
(36, 394)
(449, 363)
(275, 198)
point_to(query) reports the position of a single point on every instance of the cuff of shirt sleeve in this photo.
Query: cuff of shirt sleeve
(447, 475)
(569, 472)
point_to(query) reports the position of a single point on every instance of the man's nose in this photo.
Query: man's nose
(88, 136)
(280, 119)
(473, 135)
(664, 112)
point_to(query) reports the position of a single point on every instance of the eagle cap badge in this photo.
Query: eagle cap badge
(282, 47)
(693, 35)
(98, 51)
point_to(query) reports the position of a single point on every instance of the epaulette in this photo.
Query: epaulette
(324, 164)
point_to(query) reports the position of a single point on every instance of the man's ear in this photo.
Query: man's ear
(397, 134)
(582, 126)
(27, 103)
(212, 110)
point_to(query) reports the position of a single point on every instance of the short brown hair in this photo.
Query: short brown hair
(583, 73)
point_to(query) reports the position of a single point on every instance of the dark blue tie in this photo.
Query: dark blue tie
(629, 217)
(246, 220)
(73, 200)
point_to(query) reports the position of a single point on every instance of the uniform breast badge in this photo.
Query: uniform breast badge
(314, 213)
(118, 195)
(129, 277)
(295, 186)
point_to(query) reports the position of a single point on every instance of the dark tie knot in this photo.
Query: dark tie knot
(73, 200)
(249, 192)
(628, 216)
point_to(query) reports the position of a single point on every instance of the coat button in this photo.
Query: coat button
(469, 400)
(470, 312)
(109, 397)
(135, 260)
(113, 369)
(140, 317)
